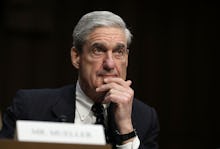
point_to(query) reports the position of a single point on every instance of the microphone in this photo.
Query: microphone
(62, 118)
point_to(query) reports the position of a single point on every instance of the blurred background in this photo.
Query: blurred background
(173, 59)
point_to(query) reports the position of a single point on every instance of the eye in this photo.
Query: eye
(120, 52)
(97, 51)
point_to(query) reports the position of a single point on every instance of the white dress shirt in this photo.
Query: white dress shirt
(84, 115)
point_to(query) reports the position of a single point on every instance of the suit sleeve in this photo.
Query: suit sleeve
(150, 140)
(12, 113)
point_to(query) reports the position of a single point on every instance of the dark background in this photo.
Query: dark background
(173, 59)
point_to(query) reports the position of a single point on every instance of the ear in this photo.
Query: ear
(75, 57)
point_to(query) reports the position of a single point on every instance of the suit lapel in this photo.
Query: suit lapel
(64, 109)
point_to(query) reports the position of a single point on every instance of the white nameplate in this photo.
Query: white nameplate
(38, 131)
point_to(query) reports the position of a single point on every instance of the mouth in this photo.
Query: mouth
(108, 76)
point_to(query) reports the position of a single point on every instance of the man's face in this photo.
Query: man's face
(103, 55)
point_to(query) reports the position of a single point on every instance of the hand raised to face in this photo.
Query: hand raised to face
(119, 92)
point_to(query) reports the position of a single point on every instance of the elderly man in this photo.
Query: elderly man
(101, 95)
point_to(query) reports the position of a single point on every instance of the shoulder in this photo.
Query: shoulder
(145, 121)
(47, 96)
(144, 116)
(143, 112)
(44, 92)
(37, 103)
(140, 107)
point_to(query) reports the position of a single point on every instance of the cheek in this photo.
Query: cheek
(90, 69)
(122, 68)
(124, 71)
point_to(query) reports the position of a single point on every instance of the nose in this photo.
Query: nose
(109, 63)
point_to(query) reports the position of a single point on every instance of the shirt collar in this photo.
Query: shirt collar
(84, 103)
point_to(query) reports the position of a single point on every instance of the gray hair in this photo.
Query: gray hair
(95, 19)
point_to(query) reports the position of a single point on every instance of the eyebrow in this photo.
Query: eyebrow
(119, 46)
(100, 45)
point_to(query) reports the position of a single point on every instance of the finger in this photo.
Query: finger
(119, 81)
(117, 96)
(129, 82)
(112, 85)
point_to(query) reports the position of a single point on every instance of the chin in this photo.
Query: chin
(100, 97)
(99, 81)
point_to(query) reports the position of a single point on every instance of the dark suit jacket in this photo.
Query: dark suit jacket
(56, 104)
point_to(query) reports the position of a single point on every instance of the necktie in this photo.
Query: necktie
(98, 111)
